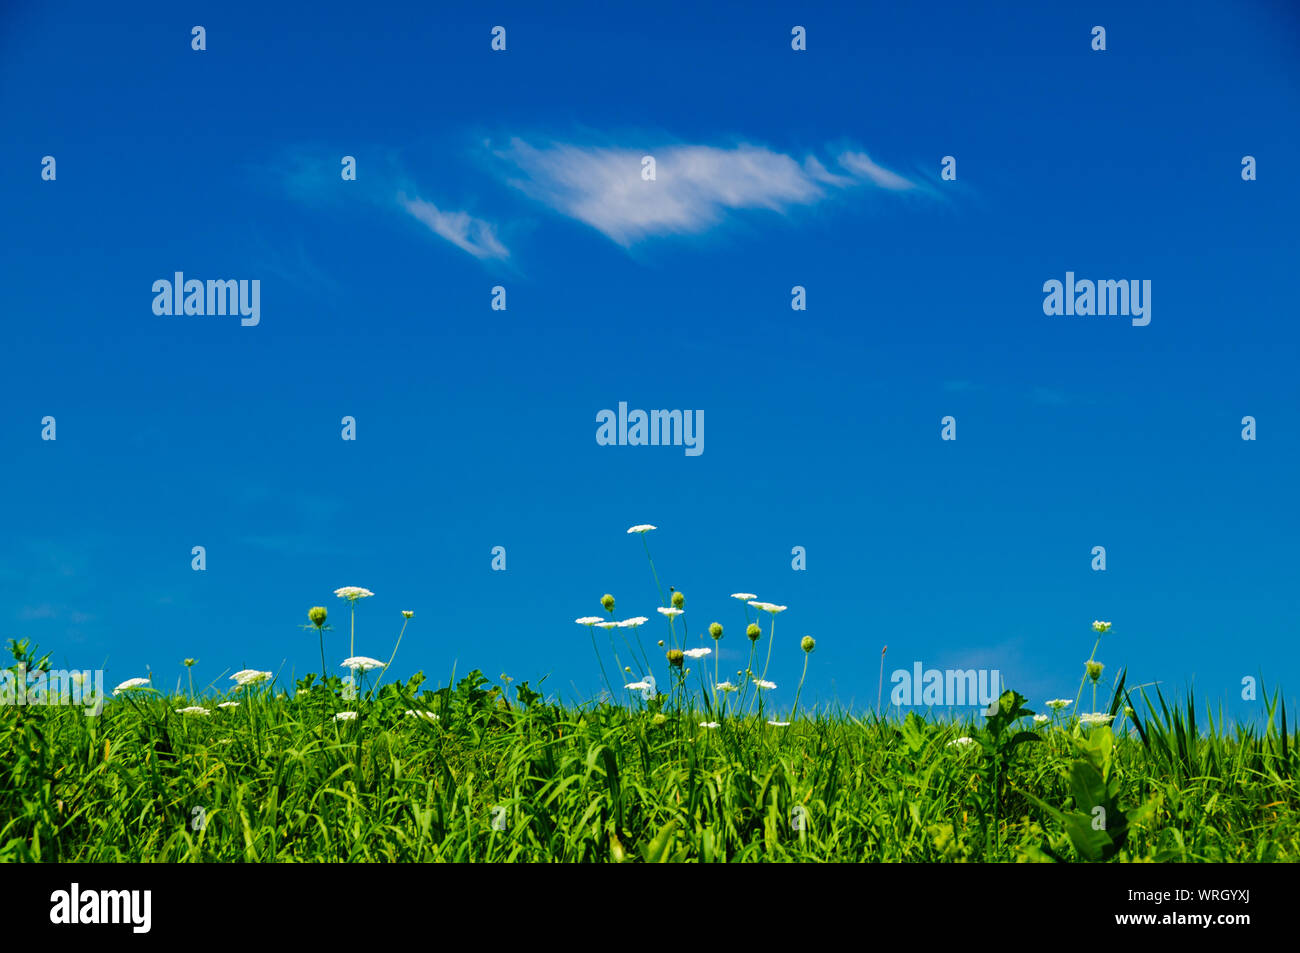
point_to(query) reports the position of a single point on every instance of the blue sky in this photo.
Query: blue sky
(476, 428)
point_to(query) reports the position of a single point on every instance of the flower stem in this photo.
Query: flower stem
(394, 655)
(800, 688)
(600, 662)
(771, 637)
(1084, 680)
(653, 570)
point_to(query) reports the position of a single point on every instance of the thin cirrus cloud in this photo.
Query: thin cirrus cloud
(310, 179)
(695, 186)
(463, 230)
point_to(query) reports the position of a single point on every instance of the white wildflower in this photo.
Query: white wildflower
(131, 685)
(249, 676)
(352, 593)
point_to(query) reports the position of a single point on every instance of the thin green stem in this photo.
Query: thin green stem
(771, 637)
(800, 688)
(653, 570)
(1083, 681)
(600, 661)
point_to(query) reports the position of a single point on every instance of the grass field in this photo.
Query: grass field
(369, 769)
(476, 775)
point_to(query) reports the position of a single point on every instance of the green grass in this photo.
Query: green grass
(280, 779)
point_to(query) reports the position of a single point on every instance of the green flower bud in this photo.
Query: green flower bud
(807, 643)
(1094, 670)
(675, 657)
(715, 630)
(754, 632)
(679, 600)
(608, 602)
(317, 616)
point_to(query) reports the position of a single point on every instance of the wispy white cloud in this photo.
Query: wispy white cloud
(474, 235)
(695, 186)
(860, 165)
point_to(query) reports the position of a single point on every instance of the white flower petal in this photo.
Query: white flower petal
(353, 593)
(361, 663)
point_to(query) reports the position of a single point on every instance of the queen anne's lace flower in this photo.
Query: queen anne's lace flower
(250, 676)
(352, 593)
